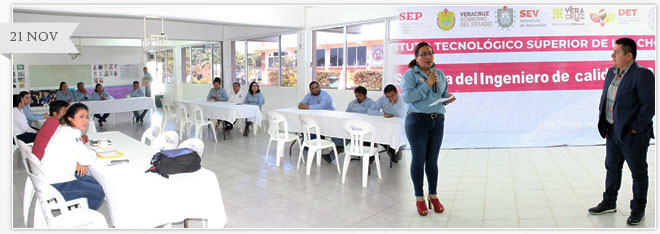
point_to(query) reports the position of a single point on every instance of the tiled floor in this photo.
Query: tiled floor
(480, 188)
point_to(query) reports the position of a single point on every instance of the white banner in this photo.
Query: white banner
(37, 37)
(524, 76)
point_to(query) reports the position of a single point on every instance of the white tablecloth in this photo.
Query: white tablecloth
(388, 131)
(144, 200)
(228, 111)
(120, 105)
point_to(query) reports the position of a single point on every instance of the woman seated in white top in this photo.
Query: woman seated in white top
(21, 128)
(62, 154)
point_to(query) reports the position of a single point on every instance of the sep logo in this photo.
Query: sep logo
(407, 16)
(446, 20)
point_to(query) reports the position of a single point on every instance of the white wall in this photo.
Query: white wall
(232, 33)
(89, 55)
(114, 27)
(265, 15)
(333, 15)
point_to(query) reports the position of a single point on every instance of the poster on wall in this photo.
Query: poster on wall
(101, 72)
(129, 72)
(42, 97)
(537, 71)
(14, 79)
(19, 76)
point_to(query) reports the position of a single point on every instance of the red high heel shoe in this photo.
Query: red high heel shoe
(421, 208)
(436, 205)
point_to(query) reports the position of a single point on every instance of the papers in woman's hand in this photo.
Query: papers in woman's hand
(441, 100)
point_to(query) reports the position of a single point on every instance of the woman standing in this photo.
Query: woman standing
(423, 84)
(64, 151)
(254, 97)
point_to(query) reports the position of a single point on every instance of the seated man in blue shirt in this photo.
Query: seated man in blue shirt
(137, 92)
(26, 98)
(81, 94)
(316, 99)
(361, 103)
(391, 106)
(218, 94)
(100, 94)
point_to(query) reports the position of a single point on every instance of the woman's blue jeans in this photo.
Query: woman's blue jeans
(425, 137)
(84, 186)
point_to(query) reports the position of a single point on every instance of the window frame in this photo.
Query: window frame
(189, 48)
(276, 60)
(345, 26)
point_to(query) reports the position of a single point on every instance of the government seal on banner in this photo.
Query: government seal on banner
(446, 20)
(652, 18)
(505, 17)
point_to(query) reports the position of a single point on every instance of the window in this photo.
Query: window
(201, 63)
(337, 57)
(185, 64)
(160, 66)
(263, 60)
(164, 61)
(169, 72)
(364, 56)
(239, 63)
(289, 56)
(320, 58)
(217, 62)
(267, 60)
(357, 56)
(331, 42)
(367, 68)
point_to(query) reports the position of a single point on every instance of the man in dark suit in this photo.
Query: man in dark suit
(626, 109)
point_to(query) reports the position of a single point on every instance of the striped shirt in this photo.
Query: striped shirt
(611, 93)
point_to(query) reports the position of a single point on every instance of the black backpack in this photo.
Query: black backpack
(174, 161)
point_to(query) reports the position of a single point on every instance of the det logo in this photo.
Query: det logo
(628, 16)
(406, 16)
(627, 12)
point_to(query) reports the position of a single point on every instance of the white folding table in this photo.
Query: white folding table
(228, 111)
(120, 105)
(145, 200)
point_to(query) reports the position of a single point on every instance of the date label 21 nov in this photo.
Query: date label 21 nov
(32, 36)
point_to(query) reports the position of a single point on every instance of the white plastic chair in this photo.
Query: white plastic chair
(278, 130)
(309, 126)
(150, 134)
(169, 114)
(198, 120)
(184, 118)
(194, 144)
(28, 191)
(72, 214)
(166, 140)
(358, 130)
